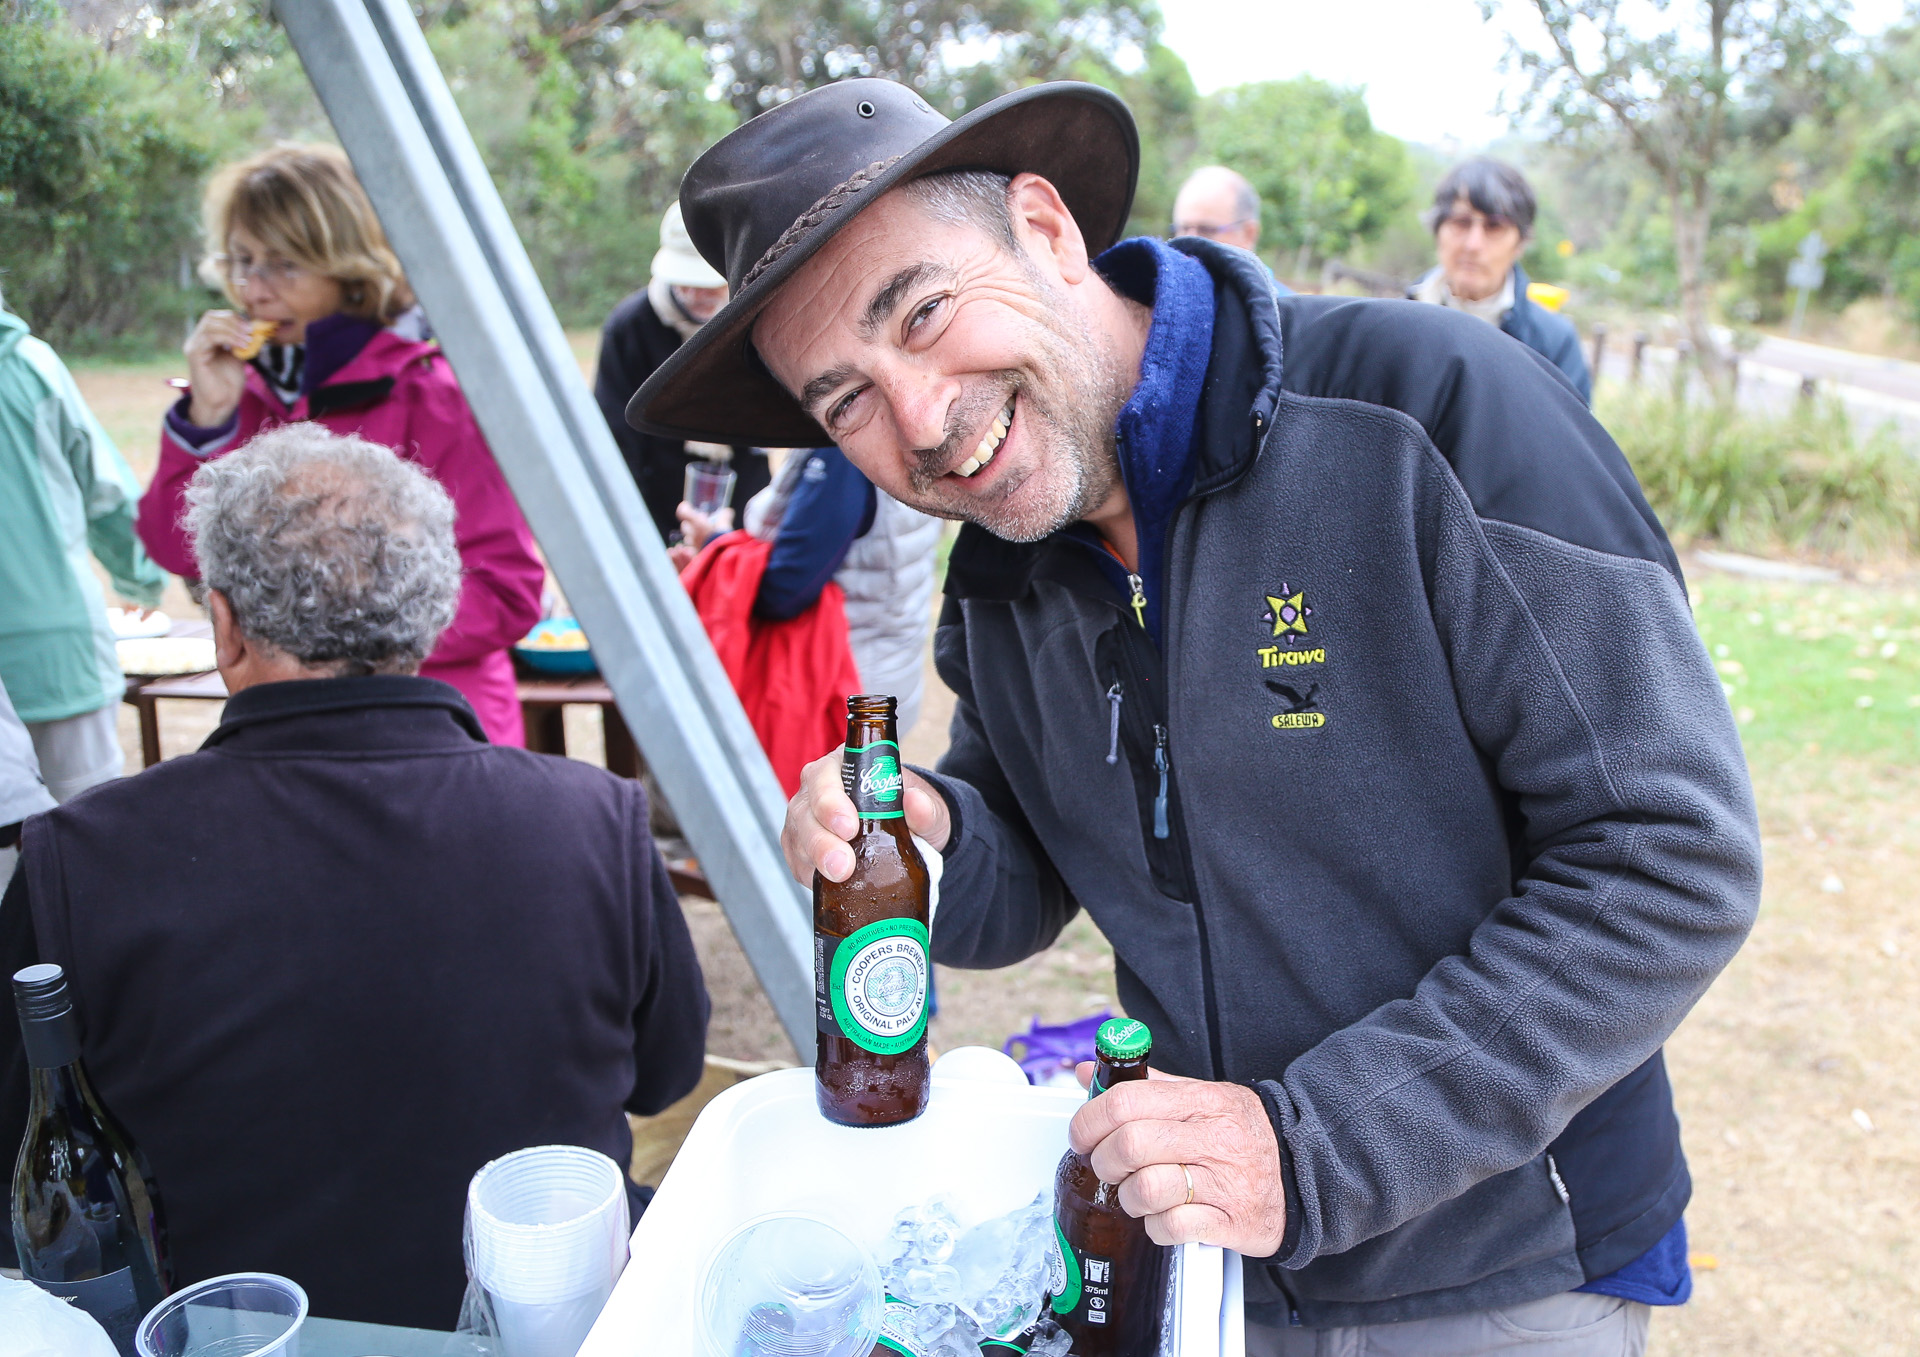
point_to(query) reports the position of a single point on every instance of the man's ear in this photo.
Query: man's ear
(229, 646)
(1042, 223)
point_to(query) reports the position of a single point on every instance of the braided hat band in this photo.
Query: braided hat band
(825, 206)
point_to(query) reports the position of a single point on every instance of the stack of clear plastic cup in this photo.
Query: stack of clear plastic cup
(789, 1285)
(546, 1240)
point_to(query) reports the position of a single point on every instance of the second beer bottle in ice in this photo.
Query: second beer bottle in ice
(870, 943)
(1108, 1279)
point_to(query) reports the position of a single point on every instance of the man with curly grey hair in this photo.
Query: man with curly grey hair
(349, 951)
(323, 556)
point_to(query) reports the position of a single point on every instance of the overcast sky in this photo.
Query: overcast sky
(1430, 66)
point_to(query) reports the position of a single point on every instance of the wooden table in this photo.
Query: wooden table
(542, 701)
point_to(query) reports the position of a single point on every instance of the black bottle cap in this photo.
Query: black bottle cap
(49, 1028)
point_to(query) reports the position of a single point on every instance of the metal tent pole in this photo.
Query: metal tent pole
(396, 119)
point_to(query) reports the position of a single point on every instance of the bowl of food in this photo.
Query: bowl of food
(556, 646)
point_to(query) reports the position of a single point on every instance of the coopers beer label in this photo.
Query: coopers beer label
(870, 775)
(1079, 1284)
(871, 986)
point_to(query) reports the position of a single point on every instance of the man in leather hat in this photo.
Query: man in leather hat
(1325, 650)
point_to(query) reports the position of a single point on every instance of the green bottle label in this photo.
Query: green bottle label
(1081, 1282)
(1064, 1280)
(871, 776)
(896, 1329)
(871, 986)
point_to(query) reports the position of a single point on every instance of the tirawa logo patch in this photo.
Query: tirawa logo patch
(1287, 611)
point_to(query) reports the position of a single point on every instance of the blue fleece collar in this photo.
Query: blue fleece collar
(1155, 431)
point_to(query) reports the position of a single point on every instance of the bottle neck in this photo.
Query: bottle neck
(870, 768)
(50, 1042)
(1108, 1072)
(862, 730)
(62, 1086)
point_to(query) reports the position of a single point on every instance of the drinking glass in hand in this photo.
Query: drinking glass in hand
(709, 486)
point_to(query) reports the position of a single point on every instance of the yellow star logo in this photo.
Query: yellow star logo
(1290, 612)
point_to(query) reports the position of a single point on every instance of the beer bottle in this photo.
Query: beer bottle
(870, 941)
(1106, 1279)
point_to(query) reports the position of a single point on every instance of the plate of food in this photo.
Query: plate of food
(556, 646)
(156, 656)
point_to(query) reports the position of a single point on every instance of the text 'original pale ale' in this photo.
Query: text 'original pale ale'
(1107, 1279)
(870, 943)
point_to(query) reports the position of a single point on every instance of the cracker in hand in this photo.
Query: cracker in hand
(259, 332)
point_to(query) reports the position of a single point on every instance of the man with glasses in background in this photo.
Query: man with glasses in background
(1217, 203)
(1482, 222)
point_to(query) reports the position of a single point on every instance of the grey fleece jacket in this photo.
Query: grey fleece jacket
(1447, 857)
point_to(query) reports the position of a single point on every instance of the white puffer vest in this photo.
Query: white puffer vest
(887, 578)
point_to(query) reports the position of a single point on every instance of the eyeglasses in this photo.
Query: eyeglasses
(1459, 223)
(1209, 231)
(272, 272)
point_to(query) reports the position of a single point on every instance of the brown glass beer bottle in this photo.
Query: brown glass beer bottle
(870, 943)
(1106, 1279)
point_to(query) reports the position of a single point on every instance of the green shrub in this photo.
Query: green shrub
(1754, 482)
(99, 186)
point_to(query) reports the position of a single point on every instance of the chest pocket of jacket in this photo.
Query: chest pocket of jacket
(1130, 686)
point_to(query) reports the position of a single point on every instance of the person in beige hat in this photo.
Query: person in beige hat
(682, 294)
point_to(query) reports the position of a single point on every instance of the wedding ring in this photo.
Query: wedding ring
(1189, 1172)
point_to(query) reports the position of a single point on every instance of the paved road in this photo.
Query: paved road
(1874, 390)
(1888, 376)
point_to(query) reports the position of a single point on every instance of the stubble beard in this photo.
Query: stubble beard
(1070, 397)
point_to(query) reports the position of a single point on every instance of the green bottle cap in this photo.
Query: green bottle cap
(1123, 1039)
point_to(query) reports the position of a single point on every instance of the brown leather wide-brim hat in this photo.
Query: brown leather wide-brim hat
(768, 195)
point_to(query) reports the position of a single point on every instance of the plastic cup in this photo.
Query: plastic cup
(243, 1314)
(709, 486)
(547, 1239)
(790, 1286)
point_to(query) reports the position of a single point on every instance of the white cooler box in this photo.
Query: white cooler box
(988, 1139)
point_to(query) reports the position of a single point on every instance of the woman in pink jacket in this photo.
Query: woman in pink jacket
(297, 246)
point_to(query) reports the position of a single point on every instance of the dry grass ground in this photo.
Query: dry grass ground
(1798, 1087)
(1797, 1076)
(1805, 1219)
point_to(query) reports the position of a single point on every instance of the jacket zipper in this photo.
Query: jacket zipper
(1160, 830)
(1139, 600)
(1141, 658)
(1113, 730)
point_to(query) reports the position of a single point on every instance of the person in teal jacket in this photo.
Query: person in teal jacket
(65, 492)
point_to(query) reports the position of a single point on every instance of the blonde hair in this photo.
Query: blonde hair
(304, 204)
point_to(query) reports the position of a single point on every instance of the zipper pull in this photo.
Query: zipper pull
(1139, 600)
(1113, 731)
(1160, 830)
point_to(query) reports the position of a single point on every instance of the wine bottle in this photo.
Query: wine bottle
(87, 1222)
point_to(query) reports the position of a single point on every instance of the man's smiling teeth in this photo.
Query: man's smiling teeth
(996, 435)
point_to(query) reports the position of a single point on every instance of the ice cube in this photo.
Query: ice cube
(1050, 1340)
(930, 1284)
(930, 1321)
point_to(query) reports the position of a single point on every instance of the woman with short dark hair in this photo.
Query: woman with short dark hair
(1482, 222)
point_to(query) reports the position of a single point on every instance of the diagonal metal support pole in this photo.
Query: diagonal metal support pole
(377, 79)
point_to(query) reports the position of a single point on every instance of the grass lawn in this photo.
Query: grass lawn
(1816, 667)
